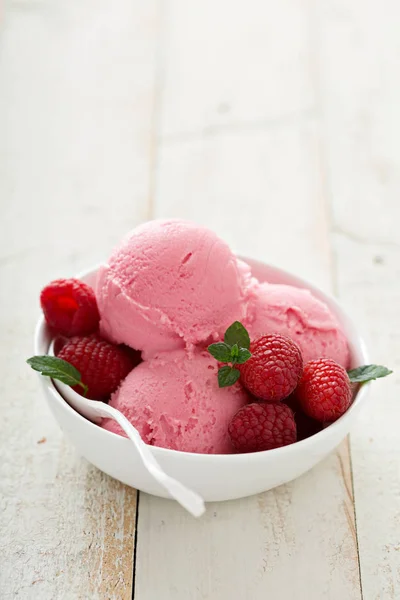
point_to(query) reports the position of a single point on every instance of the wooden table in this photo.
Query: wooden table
(277, 125)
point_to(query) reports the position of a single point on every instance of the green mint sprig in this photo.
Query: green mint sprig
(368, 373)
(234, 350)
(57, 368)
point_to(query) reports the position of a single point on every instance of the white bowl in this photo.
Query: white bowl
(214, 477)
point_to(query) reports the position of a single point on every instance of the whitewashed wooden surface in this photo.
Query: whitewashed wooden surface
(274, 123)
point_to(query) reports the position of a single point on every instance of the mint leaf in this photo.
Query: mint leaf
(244, 355)
(368, 373)
(234, 353)
(56, 368)
(220, 351)
(237, 334)
(227, 376)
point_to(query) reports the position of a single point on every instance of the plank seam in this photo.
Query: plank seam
(355, 518)
(135, 545)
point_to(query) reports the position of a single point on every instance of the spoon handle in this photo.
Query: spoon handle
(187, 498)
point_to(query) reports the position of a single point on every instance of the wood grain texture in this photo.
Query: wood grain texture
(238, 184)
(358, 50)
(76, 114)
(229, 64)
(370, 282)
(359, 53)
(276, 125)
(281, 543)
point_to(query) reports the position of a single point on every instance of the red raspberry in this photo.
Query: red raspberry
(260, 426)
(324, 391)
(274, 368)
(70, 307)
(102, 365)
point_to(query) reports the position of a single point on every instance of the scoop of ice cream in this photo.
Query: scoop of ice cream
(296, 313)
(170, 283)
(174, 401)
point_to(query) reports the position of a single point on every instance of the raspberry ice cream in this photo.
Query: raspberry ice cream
(175, 402)
(296, 313)
(170, 284)
(220, 369)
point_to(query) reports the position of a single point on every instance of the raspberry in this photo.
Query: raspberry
(70, 307)
(102, 365)
(274, 368)
(260, 426)
(324, 391)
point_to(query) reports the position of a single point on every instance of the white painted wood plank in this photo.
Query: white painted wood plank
(359, 58)
(76, 108)
(292, 542)
(229, 63)
(298, 540)
(369, 284)
(358, 51)
(263, 192)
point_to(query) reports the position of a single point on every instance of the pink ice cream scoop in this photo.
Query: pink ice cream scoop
(296, 313)
(168, 284)
(174, 401)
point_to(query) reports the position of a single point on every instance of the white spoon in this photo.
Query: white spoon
(95, 410)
